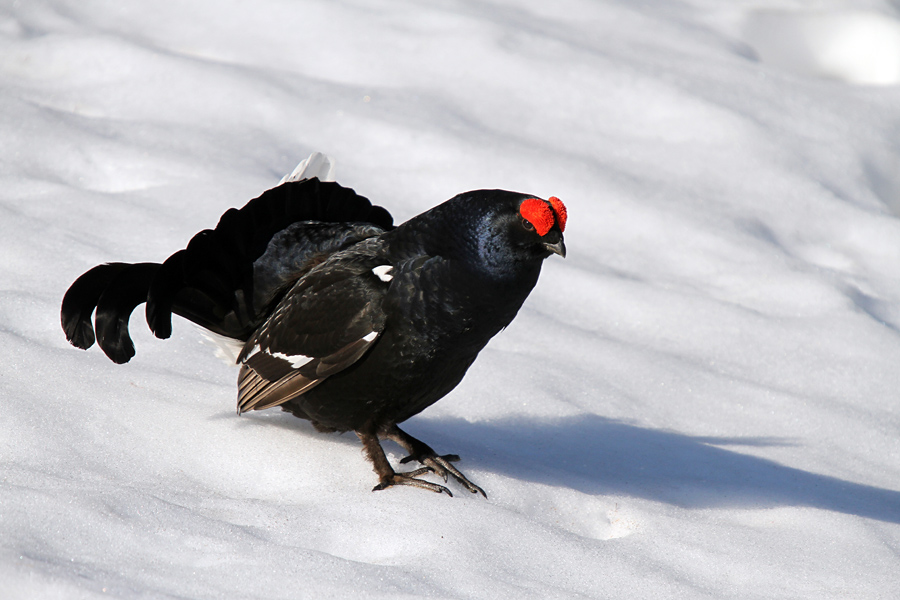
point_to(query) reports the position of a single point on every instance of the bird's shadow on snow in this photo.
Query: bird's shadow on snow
(595, 455)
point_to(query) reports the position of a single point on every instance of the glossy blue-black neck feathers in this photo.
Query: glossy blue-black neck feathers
(481, 228)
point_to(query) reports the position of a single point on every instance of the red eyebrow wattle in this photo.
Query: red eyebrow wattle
(538, 213)
(560, 209)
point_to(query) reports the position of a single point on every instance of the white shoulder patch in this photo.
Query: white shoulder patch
(384, 272)
(370, 336)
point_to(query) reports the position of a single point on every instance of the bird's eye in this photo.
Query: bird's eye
(527, 225)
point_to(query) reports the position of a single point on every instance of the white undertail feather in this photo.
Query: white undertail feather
(226, 348)
(316, 165)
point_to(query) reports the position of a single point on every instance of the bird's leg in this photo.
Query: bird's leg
(421, 452)
(386, 474)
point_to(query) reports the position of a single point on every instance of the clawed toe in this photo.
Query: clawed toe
(419, 452)
(410, 479)
(440, 466)
(447, 457)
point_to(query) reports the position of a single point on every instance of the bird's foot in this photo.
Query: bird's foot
(410, 479)
(420, 452)
(440, 466)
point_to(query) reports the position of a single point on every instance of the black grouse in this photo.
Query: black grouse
(340, 317)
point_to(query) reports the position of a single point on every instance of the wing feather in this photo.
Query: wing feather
(266, 381)
(324, 324)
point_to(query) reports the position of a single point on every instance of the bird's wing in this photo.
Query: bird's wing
(324, 324)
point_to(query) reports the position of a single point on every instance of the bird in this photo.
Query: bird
(334, 313)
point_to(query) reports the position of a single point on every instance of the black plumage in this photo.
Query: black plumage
(342, 319)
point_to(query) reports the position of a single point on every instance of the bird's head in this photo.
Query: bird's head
(506, 234)
(512, 233)
(543, 222)
(524, 228)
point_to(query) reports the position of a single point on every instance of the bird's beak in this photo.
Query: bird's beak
(557, 248)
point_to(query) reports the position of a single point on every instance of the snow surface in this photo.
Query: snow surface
(701, 401)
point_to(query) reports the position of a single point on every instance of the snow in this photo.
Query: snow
(700, 401)
(855, 46)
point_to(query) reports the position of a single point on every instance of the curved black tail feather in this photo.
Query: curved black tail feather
(211, 282)
(114, 290)
(80, 301)
(117, 302)
(220, 281)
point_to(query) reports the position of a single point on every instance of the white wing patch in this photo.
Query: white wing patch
(383, 272)
(265, 381)
(297, 360)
